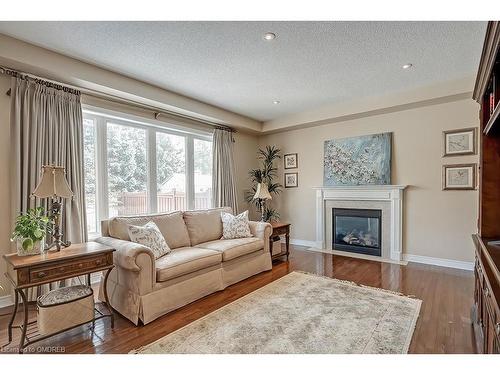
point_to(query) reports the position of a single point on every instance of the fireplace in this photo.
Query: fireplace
(357, 230)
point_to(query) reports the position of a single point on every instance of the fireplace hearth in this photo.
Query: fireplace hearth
(357, 230)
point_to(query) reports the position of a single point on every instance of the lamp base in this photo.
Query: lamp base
(57, 245)
(57, 242)
(262, 210)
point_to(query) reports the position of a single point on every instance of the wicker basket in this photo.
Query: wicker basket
(65, 307)
(276, 246)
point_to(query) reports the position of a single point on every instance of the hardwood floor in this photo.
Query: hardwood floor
(444, 324)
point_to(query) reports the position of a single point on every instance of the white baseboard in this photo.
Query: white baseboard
(469, 266)
(6, 301)
(95, 278)
(295, 241)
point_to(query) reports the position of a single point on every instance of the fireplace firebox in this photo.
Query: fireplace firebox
(357, 230)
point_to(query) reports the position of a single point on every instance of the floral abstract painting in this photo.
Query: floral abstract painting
(364, 160)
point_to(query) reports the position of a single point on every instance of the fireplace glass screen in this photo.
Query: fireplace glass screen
(357, 230)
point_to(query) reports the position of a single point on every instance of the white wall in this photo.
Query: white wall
(436, 223)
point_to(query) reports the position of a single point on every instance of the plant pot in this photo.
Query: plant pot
(30, 247)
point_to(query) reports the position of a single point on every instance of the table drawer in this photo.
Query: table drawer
(279, 231)
(80, 266)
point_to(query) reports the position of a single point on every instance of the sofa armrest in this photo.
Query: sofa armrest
(261, 230)
(127, 252)
(136, 261)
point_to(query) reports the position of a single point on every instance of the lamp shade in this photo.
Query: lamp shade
(53, 183)
(262, 192)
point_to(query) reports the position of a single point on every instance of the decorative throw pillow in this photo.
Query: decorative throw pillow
(235, 226)
(149, 235)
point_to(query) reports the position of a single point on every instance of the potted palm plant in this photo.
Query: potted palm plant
(265, 175)
(30, 231)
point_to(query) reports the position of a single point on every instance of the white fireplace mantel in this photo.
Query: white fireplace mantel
(391, 193)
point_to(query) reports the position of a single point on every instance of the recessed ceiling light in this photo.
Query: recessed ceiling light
(407, 66)
(276, 102)
(270, 36)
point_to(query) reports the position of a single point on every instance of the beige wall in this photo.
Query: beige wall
(436, 223)
(5, 158)
(245, 158)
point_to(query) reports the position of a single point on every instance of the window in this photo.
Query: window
(89, 159)
(133, 167)
(170, 172)
(202, 174)
(127, 170)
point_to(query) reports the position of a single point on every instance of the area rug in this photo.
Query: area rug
(301, 313)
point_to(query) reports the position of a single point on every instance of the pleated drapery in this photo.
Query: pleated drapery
(223, 185)
(47, 129)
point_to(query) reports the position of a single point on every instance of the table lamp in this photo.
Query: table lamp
(54, 185)
(262, 194)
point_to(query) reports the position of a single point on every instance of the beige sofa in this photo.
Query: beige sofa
(200, 263)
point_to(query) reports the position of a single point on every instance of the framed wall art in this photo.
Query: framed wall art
(291, 161)
(460, 142)
(364, 160)
(459, 176)
(291, 180)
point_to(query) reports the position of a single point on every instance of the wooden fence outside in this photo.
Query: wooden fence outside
(137, 202)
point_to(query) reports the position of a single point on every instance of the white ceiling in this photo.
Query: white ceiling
(309, 65)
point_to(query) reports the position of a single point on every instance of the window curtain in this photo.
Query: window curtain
(223, 186)
(47, 128)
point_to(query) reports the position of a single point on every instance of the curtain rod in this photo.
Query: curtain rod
(157, 112)
(39, 80)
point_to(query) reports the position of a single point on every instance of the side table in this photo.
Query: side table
(280, 229)
(35, 270)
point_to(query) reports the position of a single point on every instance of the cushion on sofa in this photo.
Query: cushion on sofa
(235, 226)
(171, 225)
(234, 248)
(149, 235)
(185, 260)
(204, 225)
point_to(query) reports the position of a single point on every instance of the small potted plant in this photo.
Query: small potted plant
(30, 230)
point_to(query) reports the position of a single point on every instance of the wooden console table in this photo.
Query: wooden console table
(35, 270)
(280, 229)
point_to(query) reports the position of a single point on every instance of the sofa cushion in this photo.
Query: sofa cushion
(185, 260)
(235, 226)
(234, 248)
(171, 225)
(204, 225)
(150, 236)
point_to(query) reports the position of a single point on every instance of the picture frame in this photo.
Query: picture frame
(291, 180)
(291, 161)
(460, 176)
(460, 142)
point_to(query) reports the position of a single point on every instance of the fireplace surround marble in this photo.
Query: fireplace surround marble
(387, 198)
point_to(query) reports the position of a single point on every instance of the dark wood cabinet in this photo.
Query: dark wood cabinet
(486, 311)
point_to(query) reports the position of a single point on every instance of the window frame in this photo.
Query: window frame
(101, 117)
